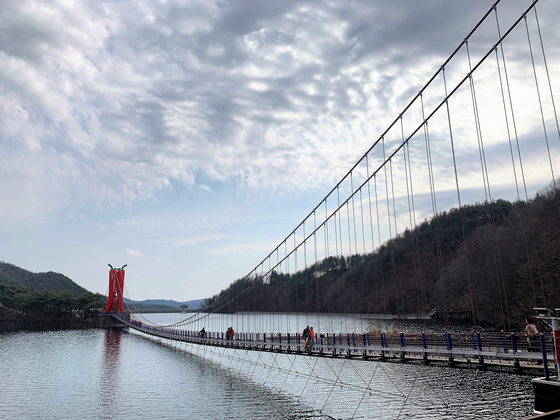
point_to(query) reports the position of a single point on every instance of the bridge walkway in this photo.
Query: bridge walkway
(499, 350)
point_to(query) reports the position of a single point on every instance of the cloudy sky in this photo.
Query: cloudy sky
(187, 138)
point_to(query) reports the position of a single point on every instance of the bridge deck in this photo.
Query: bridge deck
(456, 348)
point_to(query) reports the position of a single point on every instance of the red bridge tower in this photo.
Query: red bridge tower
(116, 288)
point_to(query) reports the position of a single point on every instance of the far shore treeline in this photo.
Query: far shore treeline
(26, 304)
(513, 255)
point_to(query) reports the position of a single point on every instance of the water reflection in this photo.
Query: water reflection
(110, 375)
(15, 326)
(98, 374)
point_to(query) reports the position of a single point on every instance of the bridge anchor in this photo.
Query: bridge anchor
(109, 322)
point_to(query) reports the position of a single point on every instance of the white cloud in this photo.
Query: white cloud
(133, 253)
(126, 98)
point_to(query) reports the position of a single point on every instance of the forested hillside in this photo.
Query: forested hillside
(53, 282)
(44, 296)
(18, 302)
(507, 263)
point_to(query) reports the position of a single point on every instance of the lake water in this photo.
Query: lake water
(291, 322)
(98, 374)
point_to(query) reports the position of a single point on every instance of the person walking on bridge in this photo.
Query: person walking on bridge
(304, 335)
(309, 341)
(532, 335)
(229, 333)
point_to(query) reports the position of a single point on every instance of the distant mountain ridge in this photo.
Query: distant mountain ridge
(12, 275)
(162, 303)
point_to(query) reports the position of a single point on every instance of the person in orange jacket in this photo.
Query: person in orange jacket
(310, 340)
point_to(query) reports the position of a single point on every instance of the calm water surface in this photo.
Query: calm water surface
(98, 374)
(322, 323)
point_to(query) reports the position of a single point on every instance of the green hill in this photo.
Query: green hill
(12, 275)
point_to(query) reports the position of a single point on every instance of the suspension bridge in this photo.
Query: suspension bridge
(483, 130)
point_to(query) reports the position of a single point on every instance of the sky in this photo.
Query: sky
(188, 138)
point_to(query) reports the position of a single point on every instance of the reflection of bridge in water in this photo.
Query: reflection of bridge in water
(421, 163)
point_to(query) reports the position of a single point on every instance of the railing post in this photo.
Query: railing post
(504, 341)
(480, 356)
(348, 343)
(544, 359)
(382, 337)
(450, 348)
(364, 344)
(514, 347)
(403, 353)
(288, 342)
(321, 348)
(425, 346)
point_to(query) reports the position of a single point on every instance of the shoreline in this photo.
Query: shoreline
(12, 316)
